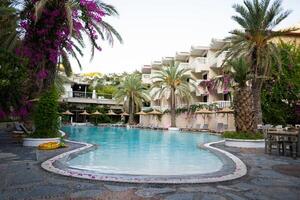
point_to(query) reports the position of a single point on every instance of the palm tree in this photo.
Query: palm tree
(8, 22)
(175, 81)
(132, 93)
(257, 19)
(237, 73)
(52, 31)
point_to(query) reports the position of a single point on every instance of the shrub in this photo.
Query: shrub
(46, 115)
(243, 135)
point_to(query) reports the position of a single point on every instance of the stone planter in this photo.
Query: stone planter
(245, 143)
(34, 142)
(173, 129)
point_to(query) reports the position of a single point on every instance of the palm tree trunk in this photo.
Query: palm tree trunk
(130, 121)
(49, 80)
(173, 108)
(256, 92)
(243, 107)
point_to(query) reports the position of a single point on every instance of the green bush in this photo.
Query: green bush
(46, 117)
(243, 135)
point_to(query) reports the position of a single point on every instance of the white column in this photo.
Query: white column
(94, 96)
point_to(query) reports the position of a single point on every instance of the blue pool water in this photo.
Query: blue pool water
(143, 152)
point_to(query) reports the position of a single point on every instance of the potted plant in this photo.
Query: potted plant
(46, 120)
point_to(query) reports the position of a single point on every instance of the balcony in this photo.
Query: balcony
(217, 62)
(146, 79)
(88, 97)
(200, 65)
(184, 65)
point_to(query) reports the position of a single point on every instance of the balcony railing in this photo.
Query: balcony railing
(199, 64)
(87, 95)
(219, 104)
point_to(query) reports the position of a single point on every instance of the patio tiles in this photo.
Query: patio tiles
(205, 189)
(269, 177)
(181, 196)
(151, 192)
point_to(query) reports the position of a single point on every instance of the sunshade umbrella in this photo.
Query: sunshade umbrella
(84, 113)
(154, 112)
(96, 113)
(67, 112)
(141, 113)
(110, 112)
(205, 112)
(226, 111)
(124, 114)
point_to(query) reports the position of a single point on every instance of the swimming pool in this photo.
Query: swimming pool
(143, 152)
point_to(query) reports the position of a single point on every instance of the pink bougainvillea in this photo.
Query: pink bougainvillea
(48, 35)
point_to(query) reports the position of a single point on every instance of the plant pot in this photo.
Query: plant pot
(241, 143)
(34, 142)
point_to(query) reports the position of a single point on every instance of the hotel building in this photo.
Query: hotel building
(204, 63)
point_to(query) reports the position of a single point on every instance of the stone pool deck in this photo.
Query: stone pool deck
(21, 177)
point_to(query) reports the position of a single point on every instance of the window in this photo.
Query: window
(205, 98)
(204, 77)
(227, 97)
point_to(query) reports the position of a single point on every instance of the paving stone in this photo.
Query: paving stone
(206, 189)
(7, 155)
(85, 194)
(151, 192)
(282, 193)
(85, 186)
(224, 187)
(269, 173)
(117, 188)
(243, 186)
(255, 195)
(234, 196)
(213, 197)
(274, 182)
(181, 196)
(23, 178)
(47, 191)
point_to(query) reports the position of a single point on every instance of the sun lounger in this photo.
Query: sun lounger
(205, 127)
(220, 127)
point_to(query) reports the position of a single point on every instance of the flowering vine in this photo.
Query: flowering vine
(54, 29)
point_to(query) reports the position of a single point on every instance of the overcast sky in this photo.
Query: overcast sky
(154, 29)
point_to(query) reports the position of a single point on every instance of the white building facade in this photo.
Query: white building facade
(205, 63)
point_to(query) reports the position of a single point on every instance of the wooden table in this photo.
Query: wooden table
(294, 138)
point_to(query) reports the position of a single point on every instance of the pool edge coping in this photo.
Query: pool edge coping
(239, 171)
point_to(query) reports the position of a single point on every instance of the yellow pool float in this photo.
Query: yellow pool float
(49, 146)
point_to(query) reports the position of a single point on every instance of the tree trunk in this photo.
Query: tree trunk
(130, 121)
(243, 107)
(256, 93)
(173, 108)
(49, 80)
(256, 89)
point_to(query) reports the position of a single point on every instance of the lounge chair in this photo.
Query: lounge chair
(225, 126)
(20, 132)
(205, 127)
(220, 127)
(198, 127)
